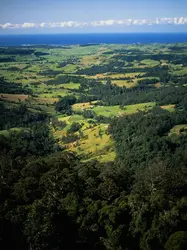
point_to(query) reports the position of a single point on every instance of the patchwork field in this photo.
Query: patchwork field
(82, 88)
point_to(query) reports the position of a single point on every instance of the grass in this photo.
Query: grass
(95, 142)
(72, 118)
(70, 68)
(170, 108)
(47, 109)
(157, 85)
(13, 97)
(83, 105)
(71, 85)
(125, 83)
(109, 111)
(181, 72)
(104, 157)
(150, 63)
(55, 93)
(42, 100)
(110, 75)
(178, 129)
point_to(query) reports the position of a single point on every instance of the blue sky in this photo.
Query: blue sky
(54, 16)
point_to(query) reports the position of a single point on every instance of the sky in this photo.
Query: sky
(92, 16)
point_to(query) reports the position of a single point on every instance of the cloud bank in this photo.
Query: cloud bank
(76, 24)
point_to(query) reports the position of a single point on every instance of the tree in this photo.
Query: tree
(177, 241)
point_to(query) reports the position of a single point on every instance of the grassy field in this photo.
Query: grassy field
(94, 143)
(170, 107)
(71, 85)
(110, 75)
(150, 63)
(109, 111)
(178, 129)
(125, 83)
(84, 105)
(13, 97)
(181, 72)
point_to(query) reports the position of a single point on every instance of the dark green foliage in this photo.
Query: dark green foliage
(16, 51)
(40, 53)
(19, 116)
(7, 59)
(58, 125)
(63, 79)
(87, 113)
(13, 88)
(134, 203)
(75, 126)
(177, 241)
(64, 105)
(69, 138)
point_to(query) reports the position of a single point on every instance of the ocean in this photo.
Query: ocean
(73, 39)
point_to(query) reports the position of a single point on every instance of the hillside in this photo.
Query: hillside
(93, 144)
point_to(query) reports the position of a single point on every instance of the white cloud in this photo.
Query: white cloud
(29, 25)
(110, 22)
(62, 24)
(10, 26)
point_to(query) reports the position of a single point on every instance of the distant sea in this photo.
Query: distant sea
(83, 39)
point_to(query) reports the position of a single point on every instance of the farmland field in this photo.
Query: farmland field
(82, 88)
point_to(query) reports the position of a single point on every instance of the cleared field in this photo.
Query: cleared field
(71, 85)
(83, 105)
(96, 141)
(94, 59)
(178, 129)
(181, 72)
(125, 83)
(150, 63)
(49, 109)
(13, 97)
(41, 100)
(70, 68)
(170, 107)
(109, 111)
(157, 85)
(56, 93)
(71, 118)
(105, 157)
(116, 76)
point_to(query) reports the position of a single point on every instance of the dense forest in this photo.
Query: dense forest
(52, 198)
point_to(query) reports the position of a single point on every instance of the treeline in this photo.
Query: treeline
(63, 79)
(174, 58)
(7, 59)
(72, 60)
(19, 116)
(16, 51)
(13, 88)
(114, 95)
